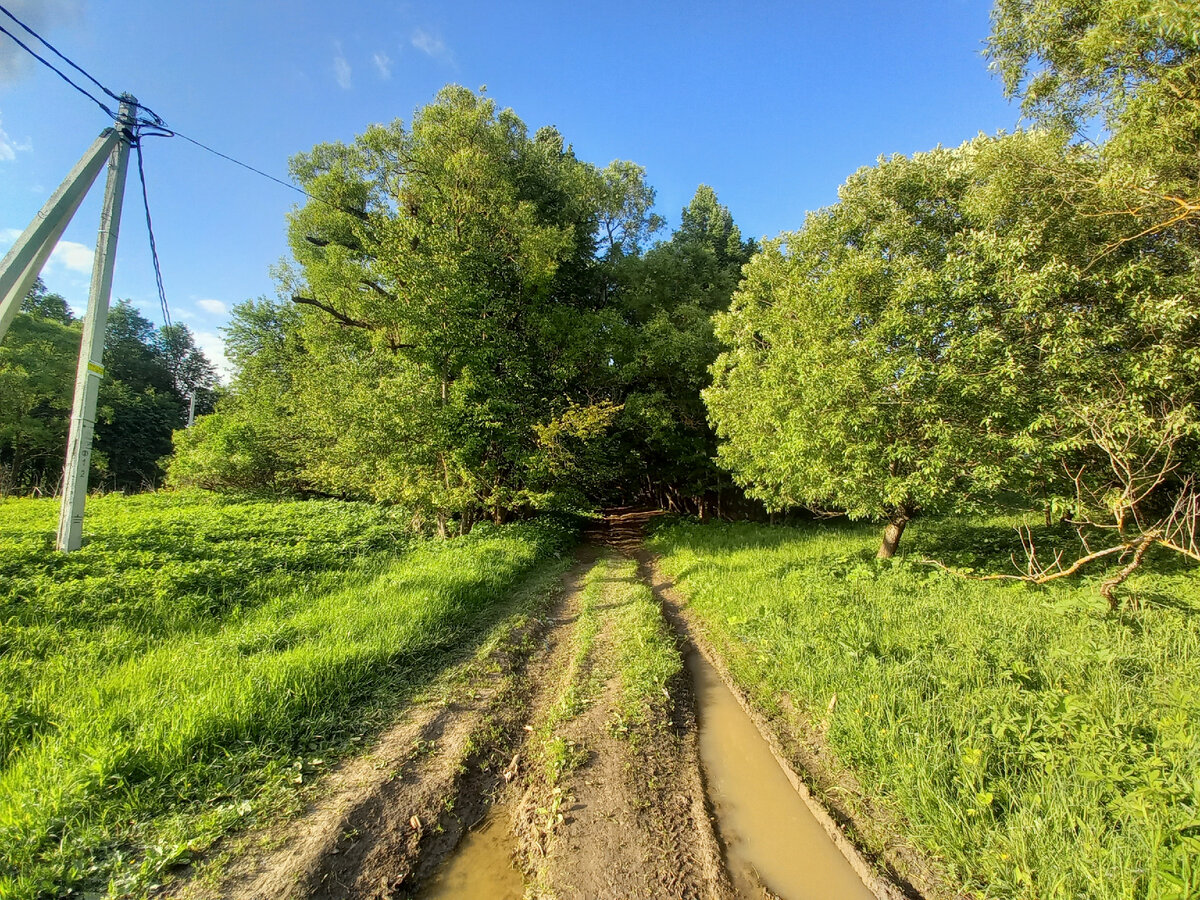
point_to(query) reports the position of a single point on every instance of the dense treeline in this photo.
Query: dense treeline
(149, 375)
(477, 323)
(474, 325)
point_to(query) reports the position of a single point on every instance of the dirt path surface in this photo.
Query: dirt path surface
(587, 798)
(629, 818)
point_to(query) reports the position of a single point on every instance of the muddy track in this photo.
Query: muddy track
(630, 818)
(530, 729)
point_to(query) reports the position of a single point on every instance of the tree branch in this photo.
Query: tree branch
(341, 317)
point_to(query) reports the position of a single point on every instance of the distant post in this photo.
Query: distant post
(91, 350)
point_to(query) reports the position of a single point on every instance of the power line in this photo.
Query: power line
(146, 123)
(74, 65)
(154, 126)
(49, 65)
(162, 292)
(251, 168)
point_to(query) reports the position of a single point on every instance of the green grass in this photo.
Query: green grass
(647, 657)
(1033, 743)
(167, 682)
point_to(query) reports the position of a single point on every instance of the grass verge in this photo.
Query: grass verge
(162, 710)
(1030, 742)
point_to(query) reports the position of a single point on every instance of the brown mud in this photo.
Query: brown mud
(460, 798)
(630, 819)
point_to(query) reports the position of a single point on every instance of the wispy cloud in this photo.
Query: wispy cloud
(341, 68)
(69, 255)
(10, 148)
(216, 307)
(383, 65)
(40, 15)
(432, 46)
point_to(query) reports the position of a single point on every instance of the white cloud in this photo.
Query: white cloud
(72, 256)
(40, 15)
(216, 307)
(10, 148)
(432, 45)
(68, 255)
(341, 69)
(214, 348)
(383, 65)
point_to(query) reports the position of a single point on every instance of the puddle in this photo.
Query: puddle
(766, 826)
(481, 867)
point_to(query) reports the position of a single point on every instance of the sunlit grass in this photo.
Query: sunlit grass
(1035, 744)
(140, 735)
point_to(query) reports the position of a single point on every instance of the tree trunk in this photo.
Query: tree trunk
(891, 536)
(441, 523)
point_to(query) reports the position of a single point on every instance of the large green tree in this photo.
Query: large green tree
(957, 325)
(851, 378)
(451, 320)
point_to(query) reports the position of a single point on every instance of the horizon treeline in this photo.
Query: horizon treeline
(476, 323)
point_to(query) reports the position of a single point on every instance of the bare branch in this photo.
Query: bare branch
(341, 317)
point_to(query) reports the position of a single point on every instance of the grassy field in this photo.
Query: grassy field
(1033, 743)
(200, 657)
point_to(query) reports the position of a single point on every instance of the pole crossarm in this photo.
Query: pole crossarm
(25, 259)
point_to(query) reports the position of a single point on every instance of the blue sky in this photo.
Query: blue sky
(773, 104)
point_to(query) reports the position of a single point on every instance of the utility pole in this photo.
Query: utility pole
(91, 350)
(191, 408)
(28, 255)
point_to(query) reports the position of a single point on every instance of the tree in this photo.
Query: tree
(191, 372)
(249, 441)
(137, 408)
(43, 304)
(450, 302)
(37, 370)
(668, 298)
(1134, 65)
(851, 375)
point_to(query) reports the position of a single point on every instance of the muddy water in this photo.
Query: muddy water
(767, 828)
(481, 867)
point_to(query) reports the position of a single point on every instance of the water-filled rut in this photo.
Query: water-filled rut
(771, 837)
(481, 867)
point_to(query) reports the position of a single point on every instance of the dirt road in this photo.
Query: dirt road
(572, 771)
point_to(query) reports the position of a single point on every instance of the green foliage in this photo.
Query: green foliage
(1134, 64)
(961, 323)
(42, 304)
(852, 375)
(140, 401)
(448, 297)
(667, 298)
(165, 683)
(37, 368)
(1028, 741)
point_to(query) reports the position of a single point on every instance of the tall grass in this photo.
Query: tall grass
(144, 733)
(1035, 744)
